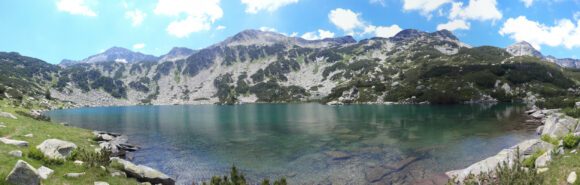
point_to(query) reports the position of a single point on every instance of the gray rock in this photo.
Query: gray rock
(29, 135)
(337, 155)
(577, 105)
(538, 115)
(571, 178)
(79, 163)
(23, 174)
(486, 165)
(543, 160)
(144, 173)
(56, 149)
(118, 174)
(45, 172)
(557, 125)
(7, 115)
(74, 175)
(539, 130)
(101, 183)
(16, 153)
(541, 170)
(14, 142)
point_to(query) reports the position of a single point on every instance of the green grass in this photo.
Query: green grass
(530, 161)
(16, 129)
(549, 139)
(560, 167)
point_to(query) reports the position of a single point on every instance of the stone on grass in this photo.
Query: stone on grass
(16, 153)
(29, 135)
(44, 172)
(541, 170)
(543, 160)
(79, 163)
(571, 178)
(14, 142)
(56, 149)
(118, 174)
(23, 174)
(143, 173)
(74, 175)
(7, 115)
(101, 183)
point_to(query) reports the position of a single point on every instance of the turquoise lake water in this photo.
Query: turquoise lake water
(310, 143)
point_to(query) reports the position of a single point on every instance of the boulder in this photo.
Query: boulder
(577, 105)
(118, 174)
(558, 125)
(144, 173)
(79, 163)
(537, 115)
(74, 175)
(45, 172)
(56, 149)
(543, 160)
(29, 135)
(23, 174)
(16, 153)
(7, 115)
(14, 142)
(490, 163)
(571, 178)
(101, 183)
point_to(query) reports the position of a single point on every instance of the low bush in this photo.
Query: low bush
(573, 112)
(570, 141)
(549, 139)
(35, 153)
(92, 158)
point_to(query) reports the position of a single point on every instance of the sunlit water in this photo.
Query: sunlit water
(310, 143)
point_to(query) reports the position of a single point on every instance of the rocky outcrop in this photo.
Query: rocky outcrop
(14, 142)
(557, 125)
(523, 49)
(114, 142)
(56, 149)
(489, 164)
(23, 174)
(543, 160)
(143, 173)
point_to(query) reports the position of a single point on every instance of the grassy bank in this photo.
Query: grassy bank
(41, 130)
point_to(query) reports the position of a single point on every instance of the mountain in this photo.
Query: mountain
(526, 49)
(523, 48)
(257, 66)
(177, 53)
(116, 54)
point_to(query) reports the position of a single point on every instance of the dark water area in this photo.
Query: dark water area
(311, 143)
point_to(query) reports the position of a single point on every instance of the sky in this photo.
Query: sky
(53, 30)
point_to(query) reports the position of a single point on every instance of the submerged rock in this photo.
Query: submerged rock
(144, 173)
(23, 174)
(56, 149)
(337, 155)
(14, 142)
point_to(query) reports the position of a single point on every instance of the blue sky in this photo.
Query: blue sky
(74, 29)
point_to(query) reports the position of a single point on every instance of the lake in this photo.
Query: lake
(311, 143)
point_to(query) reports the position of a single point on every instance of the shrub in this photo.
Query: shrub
(570, 141)
(35, 153)
(549, 139)
(237, 178)
(92, 158)
(530, 162)
(573, 112)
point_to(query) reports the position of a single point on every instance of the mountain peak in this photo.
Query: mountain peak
(445, 34)
(116, 49)
(408, 34)
(523, 48)
(177, 53)
(113, 54)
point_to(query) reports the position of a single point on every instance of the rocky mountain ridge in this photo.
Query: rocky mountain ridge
(524, 48)
(257, 66)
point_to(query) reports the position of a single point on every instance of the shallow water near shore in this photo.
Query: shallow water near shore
(311, 143)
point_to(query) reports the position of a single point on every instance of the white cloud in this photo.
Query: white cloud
(220, 27)
(136, 16)
(265, 28)
(75, 7)
(454, 25)
(322, 34)
(346, 20)
(424, 6)
(564, 33)
(527, 3)
(381, 2)
(383, 31)
(189, 15)
(138, 46)
(352, 23)
(254, 6)
(481, 10)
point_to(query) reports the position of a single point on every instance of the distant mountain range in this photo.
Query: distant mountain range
(259, 66)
